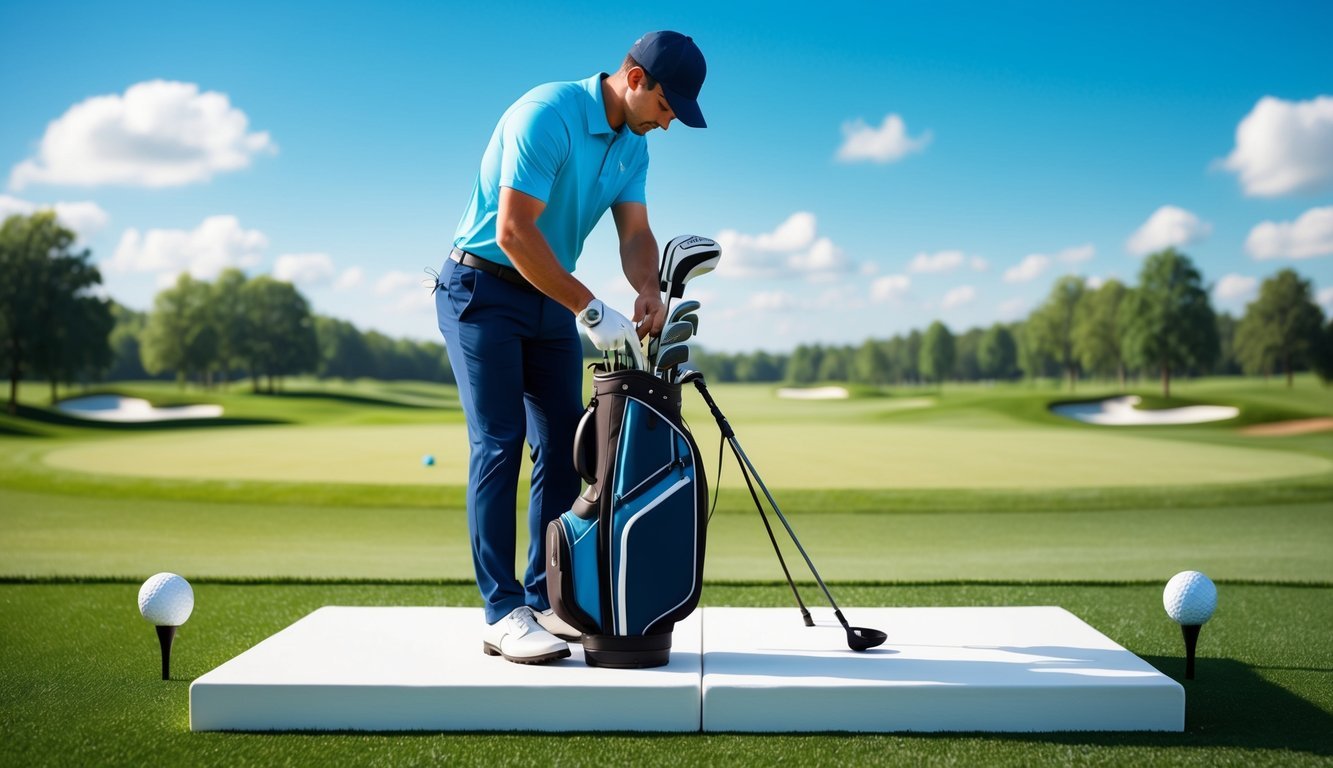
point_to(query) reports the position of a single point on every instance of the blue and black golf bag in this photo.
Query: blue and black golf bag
(626, 562)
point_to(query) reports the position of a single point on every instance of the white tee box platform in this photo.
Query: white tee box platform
(376, 669)
(942, 669)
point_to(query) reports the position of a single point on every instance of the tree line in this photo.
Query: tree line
(55, 325)
(1164, 326)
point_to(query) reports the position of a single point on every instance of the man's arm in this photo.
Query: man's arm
(638, 258)
(517, 235)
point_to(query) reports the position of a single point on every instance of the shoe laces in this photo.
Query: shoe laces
(521, 620)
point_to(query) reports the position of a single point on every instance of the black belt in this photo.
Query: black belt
(507, 274)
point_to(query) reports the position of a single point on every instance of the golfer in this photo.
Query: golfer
(507, 305)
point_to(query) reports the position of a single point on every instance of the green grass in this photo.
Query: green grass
(976, 495)
(81, 684)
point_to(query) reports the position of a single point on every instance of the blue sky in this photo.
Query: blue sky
(869, 168)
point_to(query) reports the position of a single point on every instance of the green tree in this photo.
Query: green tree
(937, 353)
(282, 342)
(834, 364)
(51, 320)
(1052, 324)
(1282, 326)
(127, 327)
(1228, 363)
(232, 319)
(1098, 331)
(997, 353)
(759, 366)
(343, 353)
(180, 335)
(803, 365)
(1322, 359)
(966, 364)
(871, 364)
(1170, 324)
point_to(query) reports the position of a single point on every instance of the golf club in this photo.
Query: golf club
(669, 357)
(674, 333)
(682, 309)
(858, 638)
(685, 258)
(693, 319)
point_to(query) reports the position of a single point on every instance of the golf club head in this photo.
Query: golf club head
(676, 332)
(688, 375)
(634, 351)
(682, 309)
(670, 356)
(685, 258)
(693, 320)
(864, 638)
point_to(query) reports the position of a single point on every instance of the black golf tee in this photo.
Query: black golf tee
(1191, 633)
(164, 637)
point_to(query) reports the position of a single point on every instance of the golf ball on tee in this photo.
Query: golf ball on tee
(166, 600)
(1190, 598)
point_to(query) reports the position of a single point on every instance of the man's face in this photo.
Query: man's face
(645, 109)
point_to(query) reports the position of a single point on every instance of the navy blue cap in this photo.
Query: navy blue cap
(678, 65)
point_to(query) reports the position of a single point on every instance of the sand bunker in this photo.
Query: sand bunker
(814, 393)
(1285, 428)
(133, 410)
(1122, 412)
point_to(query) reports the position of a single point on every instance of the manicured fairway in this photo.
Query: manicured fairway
(81, 687)
(90, 536)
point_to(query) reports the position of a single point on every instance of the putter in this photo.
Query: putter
(858, 638)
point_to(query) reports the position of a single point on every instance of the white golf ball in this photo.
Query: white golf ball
(166, 600)
(1190, 598)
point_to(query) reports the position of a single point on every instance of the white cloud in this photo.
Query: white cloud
(957, 297)
(157, 134)
(1167, 227)
(1308, 236)
(941, 261)
(392, 283)
(1284, 147)
(885, 144)
(304, 268)
(409, 294)
(1094, 282)
(217, 243)
(791, 249)
(1028, 269)
(1014, 309)
(771, 301)
(83, 218)
(1325, 298)
(349, 279)
(1077, 254)
(890, 287)
(979, 264)
(1235, 287)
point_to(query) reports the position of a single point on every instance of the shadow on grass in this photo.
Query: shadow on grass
(50, 416)
(1228, 704)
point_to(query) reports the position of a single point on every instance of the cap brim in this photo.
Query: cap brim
(686, 109)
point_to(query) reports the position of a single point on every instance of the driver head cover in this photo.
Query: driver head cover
(685, 258)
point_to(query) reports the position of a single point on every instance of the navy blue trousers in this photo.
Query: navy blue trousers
(518, 361)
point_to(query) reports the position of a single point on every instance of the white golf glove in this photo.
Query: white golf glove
(607, 329)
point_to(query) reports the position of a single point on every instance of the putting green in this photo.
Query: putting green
(825, 456)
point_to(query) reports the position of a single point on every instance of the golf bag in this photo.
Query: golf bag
(626, 562)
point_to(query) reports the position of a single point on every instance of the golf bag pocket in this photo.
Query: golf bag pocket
(626, 562)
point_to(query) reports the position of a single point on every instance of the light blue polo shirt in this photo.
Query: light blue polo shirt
(554, 144)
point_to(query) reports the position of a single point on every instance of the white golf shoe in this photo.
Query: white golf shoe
(520, 639)
(557, 626)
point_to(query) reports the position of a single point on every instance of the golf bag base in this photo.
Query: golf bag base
(625, 563)
(632, 652)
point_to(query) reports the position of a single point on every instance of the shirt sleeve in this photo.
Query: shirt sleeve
(635, 190)
(535, 144)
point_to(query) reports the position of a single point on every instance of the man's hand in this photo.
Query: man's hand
(607, 329)
(649, 314)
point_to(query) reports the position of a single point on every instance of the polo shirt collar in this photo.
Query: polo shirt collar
(596, 105)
